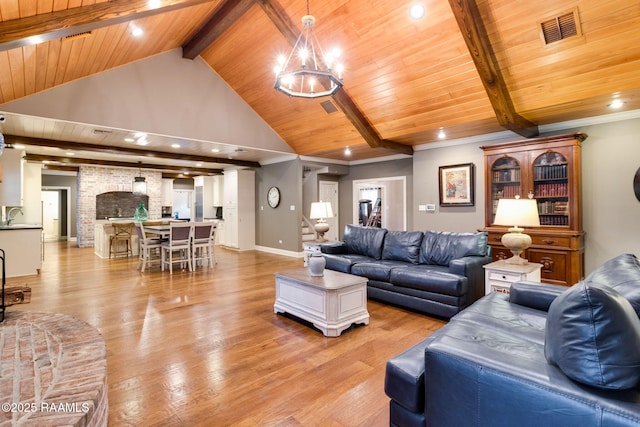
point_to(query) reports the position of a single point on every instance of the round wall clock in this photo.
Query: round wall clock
(273, 197)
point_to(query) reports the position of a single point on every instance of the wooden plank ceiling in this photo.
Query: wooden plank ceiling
(468, 67)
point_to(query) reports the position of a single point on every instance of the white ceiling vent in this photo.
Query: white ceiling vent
(102, 131)
(560, 27)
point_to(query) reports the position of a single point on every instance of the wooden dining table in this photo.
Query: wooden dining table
(162, 230)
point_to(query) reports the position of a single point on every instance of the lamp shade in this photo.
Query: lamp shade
(517, 213)
(321, 210)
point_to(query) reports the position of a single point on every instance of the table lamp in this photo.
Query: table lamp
(321, 211)
(517, 213)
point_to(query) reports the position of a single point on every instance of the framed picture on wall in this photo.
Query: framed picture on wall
(456, 185)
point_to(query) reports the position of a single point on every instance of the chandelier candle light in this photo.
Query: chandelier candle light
(313, 76)
(517, 212)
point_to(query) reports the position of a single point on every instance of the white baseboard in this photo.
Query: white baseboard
(279, 251)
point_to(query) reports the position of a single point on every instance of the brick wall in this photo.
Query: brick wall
(94, 180)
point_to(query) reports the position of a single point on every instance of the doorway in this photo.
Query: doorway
(388, 202)
(56, 202)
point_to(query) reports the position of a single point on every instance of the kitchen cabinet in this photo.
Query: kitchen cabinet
(218, 190)
(23, 250)
(12, 186)
(547, 169)
(166, 189)
(239, 209)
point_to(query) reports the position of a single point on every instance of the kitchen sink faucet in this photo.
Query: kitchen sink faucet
(12, 210)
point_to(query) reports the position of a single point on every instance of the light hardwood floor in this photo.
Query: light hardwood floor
(205, 348)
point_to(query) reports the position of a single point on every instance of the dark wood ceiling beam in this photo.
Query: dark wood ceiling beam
(475, 36)
(82, 146)
(35, 29)
(67, 161)
(290, 31)
(225, 15)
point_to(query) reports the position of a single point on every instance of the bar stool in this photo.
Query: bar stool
(122, 235)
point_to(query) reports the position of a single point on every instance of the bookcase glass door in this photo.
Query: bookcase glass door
(505, 181)
(551, 189)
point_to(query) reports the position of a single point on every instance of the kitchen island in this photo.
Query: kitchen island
(22, 244)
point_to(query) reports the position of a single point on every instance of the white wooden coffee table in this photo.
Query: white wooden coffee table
(332, 303)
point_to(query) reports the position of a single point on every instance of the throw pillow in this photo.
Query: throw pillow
(440, 247)
(593, 335)
(621, 273)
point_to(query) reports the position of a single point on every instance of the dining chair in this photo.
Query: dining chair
(179, 243)
(122, 235)
(147, 247)
(202, 245)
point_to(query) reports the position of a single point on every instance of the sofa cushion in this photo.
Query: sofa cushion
(429, 279)
(365, 241)
(621, 273)
(343, 263)
(402, 246)
(379, 270)
(593, 335)
(440, 247)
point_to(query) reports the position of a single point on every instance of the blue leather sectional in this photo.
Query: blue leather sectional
(437, 273)
(545, 355)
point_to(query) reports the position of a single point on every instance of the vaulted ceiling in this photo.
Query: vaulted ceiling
(468, 67)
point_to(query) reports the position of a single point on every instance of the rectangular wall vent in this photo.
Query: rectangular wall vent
(78, 35)
(328, 107)
(560, 27)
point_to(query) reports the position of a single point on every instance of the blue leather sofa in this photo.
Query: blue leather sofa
(437, 273)
(544, 355)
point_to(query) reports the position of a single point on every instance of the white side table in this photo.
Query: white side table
(312, 247)
(499, 276)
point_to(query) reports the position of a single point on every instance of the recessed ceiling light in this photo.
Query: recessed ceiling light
(416, 11)
(136, 31)
(154, 4)
(442, 134)
(198, 165)
(175, 145)
(616, 103)
(19, 146)
(69, 153)
(347, 151)
(129, 140)
(215, 150)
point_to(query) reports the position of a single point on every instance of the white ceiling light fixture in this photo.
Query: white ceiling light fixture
(616, 103)
(442, 134)
(313, 73)
(136, 31)
(416, 11)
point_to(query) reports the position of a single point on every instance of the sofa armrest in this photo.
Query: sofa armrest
(471, 268)
(535, 294)
(337, 248)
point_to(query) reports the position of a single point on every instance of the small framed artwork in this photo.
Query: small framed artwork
(456, 185)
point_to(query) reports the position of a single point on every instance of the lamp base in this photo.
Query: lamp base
(516, 241)
(321, 228)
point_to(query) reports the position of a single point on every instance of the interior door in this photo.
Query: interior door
(50, 214)
(328, 192)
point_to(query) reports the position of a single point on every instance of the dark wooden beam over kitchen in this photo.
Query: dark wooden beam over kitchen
(475, 36)
(82, 146)
(68, 161)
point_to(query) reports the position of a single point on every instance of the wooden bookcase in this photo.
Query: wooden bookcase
(547, 169)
